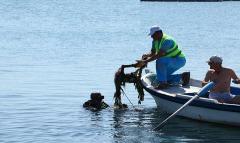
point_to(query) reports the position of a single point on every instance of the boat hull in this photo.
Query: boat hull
(199, 113)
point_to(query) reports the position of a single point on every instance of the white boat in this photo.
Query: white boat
(202, 108)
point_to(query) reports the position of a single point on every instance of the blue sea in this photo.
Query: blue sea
(54, 53)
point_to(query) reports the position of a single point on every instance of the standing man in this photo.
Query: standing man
(221, 76)
(169, 58)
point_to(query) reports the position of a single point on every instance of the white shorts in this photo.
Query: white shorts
(222, 97)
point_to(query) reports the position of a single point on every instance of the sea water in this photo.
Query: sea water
(54, 53)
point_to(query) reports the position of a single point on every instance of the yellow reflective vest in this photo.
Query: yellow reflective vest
(172, 52)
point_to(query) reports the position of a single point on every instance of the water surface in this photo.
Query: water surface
(55, 53)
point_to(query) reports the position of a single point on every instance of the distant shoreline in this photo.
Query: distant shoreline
(188, 0)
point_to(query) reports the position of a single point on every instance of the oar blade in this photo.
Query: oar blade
(205, 89)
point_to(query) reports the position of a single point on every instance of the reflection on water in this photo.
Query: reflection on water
(133, 126)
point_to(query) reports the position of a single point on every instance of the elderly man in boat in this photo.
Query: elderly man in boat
(221, 76)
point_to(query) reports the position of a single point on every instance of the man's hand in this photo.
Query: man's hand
(236, 81)
(140, 63)
(145, 56)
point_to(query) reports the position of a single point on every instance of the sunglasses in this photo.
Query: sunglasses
(210, 63)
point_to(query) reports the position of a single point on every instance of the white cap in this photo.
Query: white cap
(215, 59)
(154, 29)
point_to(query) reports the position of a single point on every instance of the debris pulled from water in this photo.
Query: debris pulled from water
(122, 78)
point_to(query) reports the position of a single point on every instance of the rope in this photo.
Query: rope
(128, 98)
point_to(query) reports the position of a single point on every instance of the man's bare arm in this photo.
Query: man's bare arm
(150, 57)
(234, 77)
(154, 57)
(207, 78)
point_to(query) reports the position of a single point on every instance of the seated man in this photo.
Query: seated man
(221, 76)
(96, 102)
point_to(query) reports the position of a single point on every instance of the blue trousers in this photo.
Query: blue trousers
(165, 68)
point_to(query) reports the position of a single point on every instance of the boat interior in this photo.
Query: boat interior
(177, 89)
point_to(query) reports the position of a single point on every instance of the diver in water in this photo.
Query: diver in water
(96, 102)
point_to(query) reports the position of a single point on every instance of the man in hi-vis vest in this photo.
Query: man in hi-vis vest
(169, 58)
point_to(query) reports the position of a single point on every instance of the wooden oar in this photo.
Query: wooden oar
(203, 91)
